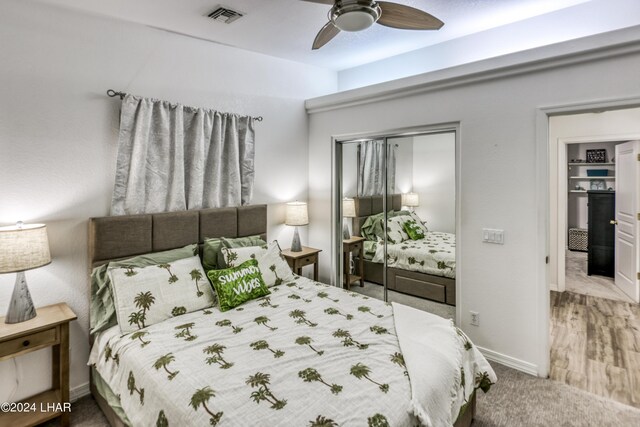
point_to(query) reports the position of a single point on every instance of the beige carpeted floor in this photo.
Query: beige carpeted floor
(516, 400)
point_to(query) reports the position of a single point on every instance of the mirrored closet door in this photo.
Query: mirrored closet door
(398, 198)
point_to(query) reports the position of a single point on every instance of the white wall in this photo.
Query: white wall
(404, 164)
(58, 138)
(434, 179)
(581, 20)
(497, 117)
(577, 127)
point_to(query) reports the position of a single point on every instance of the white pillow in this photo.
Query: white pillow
(148, 295)
(395, 229)
(273, 267)
(414, 216)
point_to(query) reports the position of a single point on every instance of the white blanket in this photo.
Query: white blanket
(309, 353)
(433, 349)
(435, 254)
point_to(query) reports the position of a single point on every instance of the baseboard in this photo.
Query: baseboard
(511, 362)
(79, 391)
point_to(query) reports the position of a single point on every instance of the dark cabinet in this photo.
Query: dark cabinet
(601, 235)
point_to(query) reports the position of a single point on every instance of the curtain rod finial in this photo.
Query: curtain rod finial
(112, 93)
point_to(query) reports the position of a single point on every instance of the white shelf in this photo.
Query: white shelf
(592, 177)
(591, 164)
(577, 191)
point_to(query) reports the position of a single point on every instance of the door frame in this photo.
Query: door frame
(563, 195)
(542, 198)
(336, 190)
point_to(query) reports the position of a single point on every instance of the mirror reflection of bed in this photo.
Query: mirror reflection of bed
(421, 268)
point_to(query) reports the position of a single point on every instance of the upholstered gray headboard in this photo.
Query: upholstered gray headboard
(371, 205)
(118, 237)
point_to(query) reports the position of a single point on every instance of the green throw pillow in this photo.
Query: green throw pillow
(212, 257)
(238, 284)
(211, 254)
(414, 231)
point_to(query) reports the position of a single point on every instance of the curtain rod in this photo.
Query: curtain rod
(112, 94)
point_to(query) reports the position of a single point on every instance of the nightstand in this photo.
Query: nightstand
(297, 260)
(50, 328)
(355, 243)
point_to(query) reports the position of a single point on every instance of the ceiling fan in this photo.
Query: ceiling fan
(358, 15)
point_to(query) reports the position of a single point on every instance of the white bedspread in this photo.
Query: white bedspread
(433, 349)
(435, 254)
(310, 353)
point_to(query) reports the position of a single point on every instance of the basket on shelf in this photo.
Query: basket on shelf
(597, 172)
(578, 239)
(598, 155)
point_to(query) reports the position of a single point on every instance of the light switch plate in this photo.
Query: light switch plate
(492, 235)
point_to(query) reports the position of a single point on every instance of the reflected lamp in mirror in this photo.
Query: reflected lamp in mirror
(22, 247)
(411, 200)
(348, 211)
(296, 215)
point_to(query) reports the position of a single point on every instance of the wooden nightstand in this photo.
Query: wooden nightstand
(355, 243)
(297, 260)
(50, 328)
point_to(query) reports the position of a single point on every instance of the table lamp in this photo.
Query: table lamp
(296, 215)
(22, 247)
(348, 211)
(411, 200)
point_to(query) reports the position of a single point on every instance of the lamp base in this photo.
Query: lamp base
(346, 234)
(295, 244)
(21, 306)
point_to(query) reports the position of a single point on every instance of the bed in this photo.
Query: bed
(308, 354)
(423, 268)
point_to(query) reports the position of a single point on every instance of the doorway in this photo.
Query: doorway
(593, 322)
(587, 217)
(384, 183)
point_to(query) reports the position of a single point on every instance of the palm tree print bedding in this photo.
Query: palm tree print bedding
(278, 361)
(148, 295)
(435, 254)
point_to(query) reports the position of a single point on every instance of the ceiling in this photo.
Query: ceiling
(287, 28)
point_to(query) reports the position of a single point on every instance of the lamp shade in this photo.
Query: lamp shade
(348, 208)
(296, 214)
(23, 247)
(411, 199)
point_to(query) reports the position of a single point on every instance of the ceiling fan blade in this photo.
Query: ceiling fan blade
(406, 17)
(321, 1)
(325, 35)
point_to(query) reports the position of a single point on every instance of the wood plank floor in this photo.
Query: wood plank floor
(595, 345)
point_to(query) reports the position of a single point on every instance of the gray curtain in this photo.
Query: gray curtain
(371, 168)
(172, 158)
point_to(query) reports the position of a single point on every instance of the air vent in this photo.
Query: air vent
(225, 15)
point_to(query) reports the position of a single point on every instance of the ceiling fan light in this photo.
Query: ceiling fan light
(354, 21)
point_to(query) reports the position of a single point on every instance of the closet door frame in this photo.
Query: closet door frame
(337, 142)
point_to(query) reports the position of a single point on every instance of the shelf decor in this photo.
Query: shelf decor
(597, 156)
